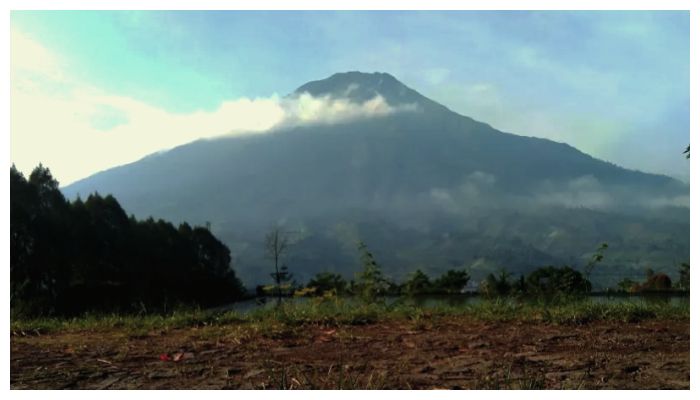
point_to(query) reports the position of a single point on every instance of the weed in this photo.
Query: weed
(338, 311)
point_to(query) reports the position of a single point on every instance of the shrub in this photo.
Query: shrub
(550, 281)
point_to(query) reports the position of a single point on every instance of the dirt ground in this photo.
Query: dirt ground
(443, 353)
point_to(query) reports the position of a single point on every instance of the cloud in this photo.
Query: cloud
(585, 191)
(661, 202)
(480, 190)
(78, 129)
(475, 189)
(307, 109)
(30, 59)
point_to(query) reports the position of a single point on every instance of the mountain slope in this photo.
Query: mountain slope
(419, 170)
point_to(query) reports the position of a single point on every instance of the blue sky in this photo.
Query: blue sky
(613, 84)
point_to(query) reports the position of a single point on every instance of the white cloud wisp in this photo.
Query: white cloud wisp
(77, 129)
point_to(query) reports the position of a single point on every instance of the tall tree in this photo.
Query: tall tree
(370, 281)
(277, 243)
(39, 215)
(68, 258)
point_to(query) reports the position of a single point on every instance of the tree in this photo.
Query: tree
(654, 282)
(213, 262)
(657, 282)
(277, 244)
(370, 282)
(555, 281)
(22, 240)
(283, 281)
(72, 257)
(417, 283)
(595, 260)
(626, 285)
(327, 282)
(452, 281)
(519, 287)
(40, 248)
(496, 285)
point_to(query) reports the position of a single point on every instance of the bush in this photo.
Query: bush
(328, 282)
(654, 283)
(417, 283)
(452, 281)
(496, 285)
(550, 281)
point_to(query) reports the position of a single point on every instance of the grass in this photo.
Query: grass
(338, 311)
(337, 376)
(507, 381)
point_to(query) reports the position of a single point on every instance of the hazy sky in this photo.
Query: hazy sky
(91, 90)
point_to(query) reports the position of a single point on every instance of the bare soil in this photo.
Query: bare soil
(444, 352)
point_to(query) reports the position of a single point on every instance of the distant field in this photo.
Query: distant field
(335, 344)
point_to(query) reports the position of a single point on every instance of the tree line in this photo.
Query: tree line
(370, 282)
(69, 257)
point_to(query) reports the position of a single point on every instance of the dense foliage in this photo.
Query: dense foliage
(417, 283)
(370, 282)
(543, 282)
(327, 282)
(552, 280)
(451, 282)
(70, 257)
(658, 282)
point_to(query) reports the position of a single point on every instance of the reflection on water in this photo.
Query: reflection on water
(429, 301)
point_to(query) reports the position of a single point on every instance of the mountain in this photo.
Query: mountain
(422, 185)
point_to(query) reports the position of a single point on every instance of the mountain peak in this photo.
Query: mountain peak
(362, 86)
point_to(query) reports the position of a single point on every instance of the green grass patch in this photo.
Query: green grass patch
(339, 311)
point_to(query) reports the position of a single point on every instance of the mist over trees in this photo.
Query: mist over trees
(88, 255)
